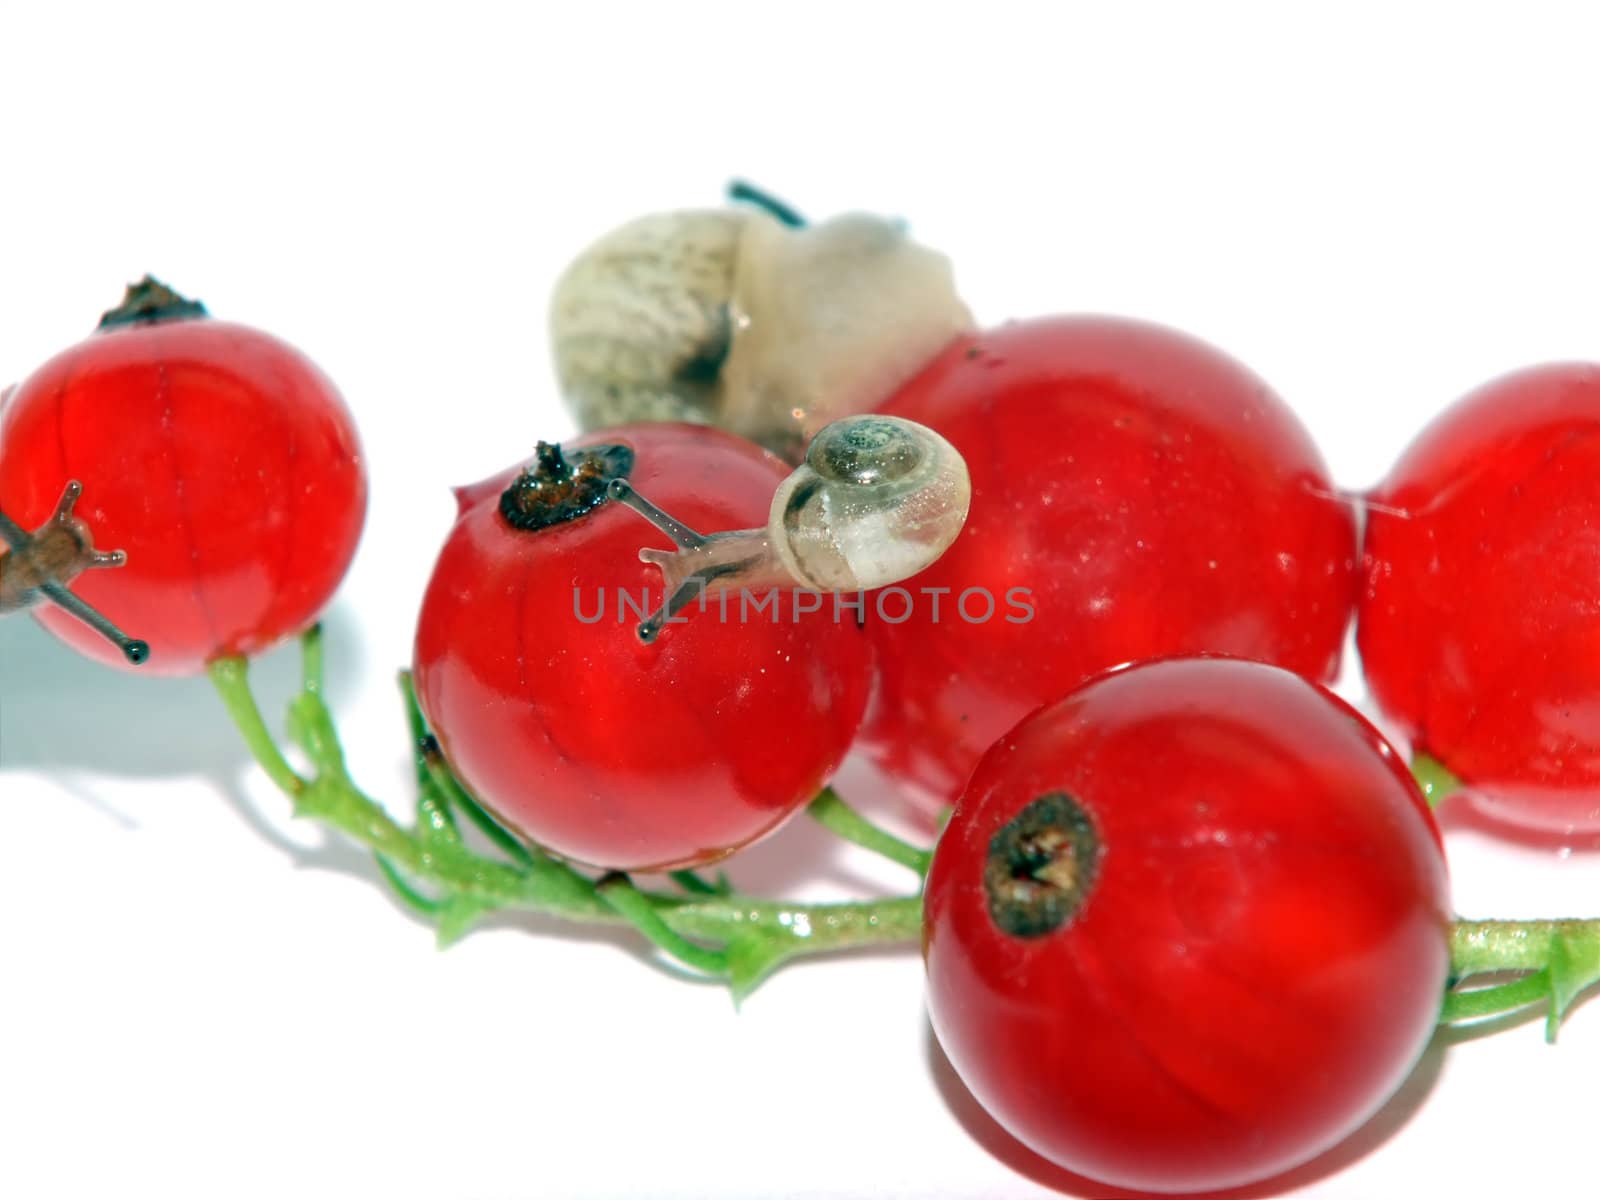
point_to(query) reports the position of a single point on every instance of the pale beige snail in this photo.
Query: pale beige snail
(39, 565)
(877, 499)
(748, 319)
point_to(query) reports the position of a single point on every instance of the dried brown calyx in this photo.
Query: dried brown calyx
(1041, 866)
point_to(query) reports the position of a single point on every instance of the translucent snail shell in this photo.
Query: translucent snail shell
(730, 317)
(877, 499)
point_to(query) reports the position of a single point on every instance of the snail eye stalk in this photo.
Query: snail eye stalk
(720, 562)
(876, 500)
(40, 564)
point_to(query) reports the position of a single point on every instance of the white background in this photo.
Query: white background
(1376, 207)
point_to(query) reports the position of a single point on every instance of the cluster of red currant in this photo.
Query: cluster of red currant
(1188, 923)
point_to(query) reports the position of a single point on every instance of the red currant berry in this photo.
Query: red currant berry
(1477, 625)
(218, 459)
(600, 746)
(1135, 493)
(1188, 927)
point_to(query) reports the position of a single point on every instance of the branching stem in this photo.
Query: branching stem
(714, 930)
(833, 814)
(707, 926)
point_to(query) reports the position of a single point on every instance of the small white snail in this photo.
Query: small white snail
(877, 499)
(40, 564)
(747, 320)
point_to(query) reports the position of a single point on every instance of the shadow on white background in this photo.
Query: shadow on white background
(61, 712)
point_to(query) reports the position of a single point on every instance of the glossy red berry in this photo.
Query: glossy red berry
(1478, 621)
(1188, 927)
(1135, 493)
(592, 743)
(218, 458)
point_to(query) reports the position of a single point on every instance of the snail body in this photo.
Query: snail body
(735, 318)
(877, 499)
(39, 565)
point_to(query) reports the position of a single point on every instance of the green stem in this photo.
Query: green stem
(809, 928)
(312, 672)
(451, 796)
(636, 908)
(1480, 947)
(1560, 958)
(1434, 778)
(487, 825)
(557, 890)
(412, 898)
(737, 937)
(436, 818)
(693, 884)
(1477, 1003)
(831, 812)
(311, 727)
(758, 934)
(231, 677)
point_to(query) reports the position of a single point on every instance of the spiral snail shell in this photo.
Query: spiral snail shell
(735, 318)
(877, 499)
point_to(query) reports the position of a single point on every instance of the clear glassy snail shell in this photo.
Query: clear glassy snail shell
(737, 318)
(877, 499)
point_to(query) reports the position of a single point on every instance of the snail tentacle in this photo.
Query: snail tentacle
(623, 492)
(722, 561)
(39, 565)
(877, 500)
